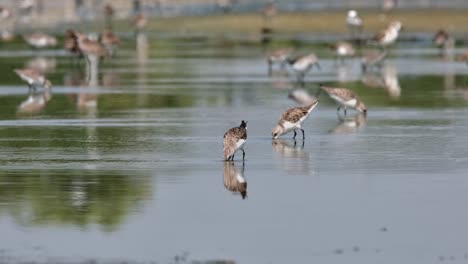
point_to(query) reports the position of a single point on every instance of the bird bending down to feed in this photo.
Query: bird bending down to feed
(345, 98)
(33, 78)
(292, 119)
(40, 40)
(234, 140)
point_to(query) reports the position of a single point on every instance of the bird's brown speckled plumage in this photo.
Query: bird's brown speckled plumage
(341, 92)
(293, 114)
(345, 95)
(232, 137)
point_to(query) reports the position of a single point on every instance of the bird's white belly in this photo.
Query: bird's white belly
(342, 51)
(349, 103)
(289, 126)
(240, 144)
(301, 66)
(389, 38)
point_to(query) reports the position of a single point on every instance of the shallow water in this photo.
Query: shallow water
(128, 167)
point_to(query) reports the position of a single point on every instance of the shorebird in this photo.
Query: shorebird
(70, 43)
(40, 40)
(279, 56)
(89, 47)
(302, 65)
(110, 41)
(343, 49)
(109, 15)
(5, 13)
(389, 35)
(225, 5)
(139, 22)
(443, 41)
(234, 140)
(234, 179)
(345, 98)
(354, 23)
(269, 11)
(33, 78)
(374, 59)
(292, 119)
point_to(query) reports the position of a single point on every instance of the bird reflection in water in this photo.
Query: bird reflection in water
(387, 78)
(234, 179)
(294, 160)
(36, 102)
(42, 64)
(350, 124)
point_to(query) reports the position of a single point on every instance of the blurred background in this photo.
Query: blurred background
(112, 116)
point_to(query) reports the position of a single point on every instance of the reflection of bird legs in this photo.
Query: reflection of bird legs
(295, 143)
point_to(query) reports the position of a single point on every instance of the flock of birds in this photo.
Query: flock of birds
(92, 47)
(291, 120)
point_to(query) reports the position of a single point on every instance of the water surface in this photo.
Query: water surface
(128, 165)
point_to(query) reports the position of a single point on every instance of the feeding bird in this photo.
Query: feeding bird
(345, 98)
(292, 119)
(234, 140)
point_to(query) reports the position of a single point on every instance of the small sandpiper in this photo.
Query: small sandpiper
(444, 42)
(292, 119)
(354, 23)
(389, 35)
(70, 43)
(139, 22)
(234, 179)
(234, 140)
(343, 49)
(345, 98)
(279, 56)
(33, 78)
(89, 47)
(110, 41)
(302, 65)
(40, 40)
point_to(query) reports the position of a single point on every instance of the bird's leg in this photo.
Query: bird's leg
(270, 67)
(345, 111)
(243, 154)
(303, 134)
(88, 64)
(338, 109)
(294, 134)
(232, 157)
(295, 143)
